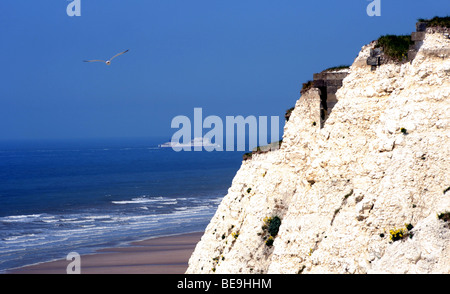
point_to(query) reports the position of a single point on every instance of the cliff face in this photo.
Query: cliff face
(379, 161)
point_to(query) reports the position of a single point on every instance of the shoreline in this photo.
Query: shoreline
(156, 255)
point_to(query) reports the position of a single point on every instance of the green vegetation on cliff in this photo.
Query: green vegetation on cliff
(394, 46)
(436, 21)
(336, 68)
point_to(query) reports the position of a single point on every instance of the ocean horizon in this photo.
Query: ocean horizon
(62, 196)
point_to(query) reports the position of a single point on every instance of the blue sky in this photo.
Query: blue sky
(246, 57)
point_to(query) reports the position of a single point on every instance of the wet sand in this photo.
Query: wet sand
(162, 255)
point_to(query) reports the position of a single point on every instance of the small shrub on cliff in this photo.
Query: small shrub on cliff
(271, 227)
(437, 21)
(445, 216)
(288, 113)
(402, 233)
(269, 241)
(409, 227)
(306, 86)
(396, 47)
(247, 156)
(274, 226)
(397, 234)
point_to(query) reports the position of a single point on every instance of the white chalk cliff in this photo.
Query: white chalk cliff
(380, 161)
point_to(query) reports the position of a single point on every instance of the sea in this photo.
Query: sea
(64, 196)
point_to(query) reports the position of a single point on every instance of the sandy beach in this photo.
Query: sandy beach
(162, 255)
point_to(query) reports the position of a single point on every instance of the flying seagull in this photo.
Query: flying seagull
(108, 62)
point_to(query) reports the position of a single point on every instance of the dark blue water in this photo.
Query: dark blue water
(59, 197)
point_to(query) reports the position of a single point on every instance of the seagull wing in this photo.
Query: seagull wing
(119, 54)
(95, 60)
